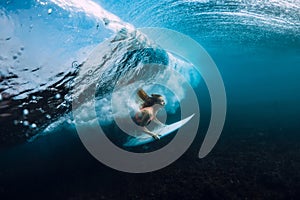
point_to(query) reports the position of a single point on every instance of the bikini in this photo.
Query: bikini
(144, 117)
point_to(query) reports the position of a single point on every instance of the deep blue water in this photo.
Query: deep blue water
(256, 47)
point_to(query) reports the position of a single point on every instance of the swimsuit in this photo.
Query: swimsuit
(144, 117)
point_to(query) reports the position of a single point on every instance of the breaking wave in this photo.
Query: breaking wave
(49, 46)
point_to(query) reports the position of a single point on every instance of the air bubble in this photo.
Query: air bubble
(74, 64)
(106, 21)
(57, 96)
(48, 116)
(25, 112)
(49, 11)
(25, 123)
(33, 125)
(88, 80)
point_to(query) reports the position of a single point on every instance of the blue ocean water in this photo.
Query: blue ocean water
(255, 45)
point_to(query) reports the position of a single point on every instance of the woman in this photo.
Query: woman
(148, 111)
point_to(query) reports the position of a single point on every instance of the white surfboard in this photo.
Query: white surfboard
(144, 138)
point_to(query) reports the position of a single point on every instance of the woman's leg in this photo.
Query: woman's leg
(155, 136)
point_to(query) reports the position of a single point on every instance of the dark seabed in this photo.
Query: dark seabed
(247, 163)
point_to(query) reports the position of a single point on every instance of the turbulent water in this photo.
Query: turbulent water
(45, 45)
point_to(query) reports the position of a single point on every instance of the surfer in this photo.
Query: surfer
(148, 111)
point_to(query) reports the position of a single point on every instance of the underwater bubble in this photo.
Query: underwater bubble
(42, 3)
(35, 69)
(48, 116)
(57, 96)
(88, 80)
(49, 11)
(33, 125)
(25, 112)
(15, 57)
(15, 122)
(106, 21)
(33, 97)
(0, 97)
(74, 64)
(25, 123)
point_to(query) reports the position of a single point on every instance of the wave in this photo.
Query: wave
(215, 23)
(92, 9)
(43, 39)
(268, 13)
(29, 107)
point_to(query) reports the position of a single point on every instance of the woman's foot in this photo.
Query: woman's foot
(156, 136)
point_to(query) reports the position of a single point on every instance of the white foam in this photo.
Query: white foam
(92, 9)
